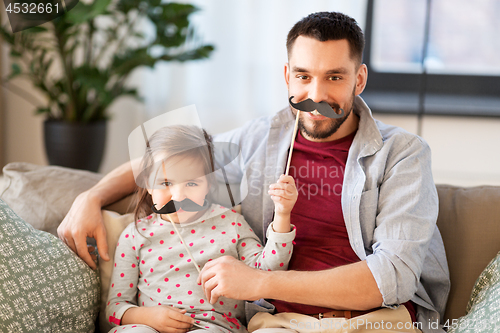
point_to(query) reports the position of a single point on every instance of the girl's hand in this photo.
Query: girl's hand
(284, 194)
(163, 318)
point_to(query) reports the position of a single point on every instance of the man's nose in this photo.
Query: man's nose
(318, 91)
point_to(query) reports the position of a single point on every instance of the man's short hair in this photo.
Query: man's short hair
(324, 26)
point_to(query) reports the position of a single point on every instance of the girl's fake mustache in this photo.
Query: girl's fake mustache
(322, 107)
(187, 205)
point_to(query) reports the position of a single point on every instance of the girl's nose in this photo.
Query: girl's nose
(177, 192)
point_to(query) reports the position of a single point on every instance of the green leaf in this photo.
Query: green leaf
(82, 13)
(123, 65)
(83, 91)
(35, 30)
(15, 54)
(16, 70)
(42, 110)
(7, 36)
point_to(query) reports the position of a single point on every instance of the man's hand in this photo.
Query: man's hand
(83, 220)
(227, 276)
(163, 318)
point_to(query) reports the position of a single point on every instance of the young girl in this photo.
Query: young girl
(154, 283)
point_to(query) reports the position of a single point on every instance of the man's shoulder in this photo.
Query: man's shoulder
(398, 136)
(374, 131)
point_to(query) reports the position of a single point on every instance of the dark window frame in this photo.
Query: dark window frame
(462, 95)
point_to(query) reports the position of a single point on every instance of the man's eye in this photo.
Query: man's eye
(334, 78)
(302, 77)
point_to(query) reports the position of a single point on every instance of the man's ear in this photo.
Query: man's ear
(287, 74)
(361, 78)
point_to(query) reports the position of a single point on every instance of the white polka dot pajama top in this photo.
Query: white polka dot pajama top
(152, 266)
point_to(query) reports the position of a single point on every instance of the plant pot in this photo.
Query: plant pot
(75, 145)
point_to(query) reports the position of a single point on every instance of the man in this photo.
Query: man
(366, 211)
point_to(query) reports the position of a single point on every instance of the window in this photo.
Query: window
(462, 57)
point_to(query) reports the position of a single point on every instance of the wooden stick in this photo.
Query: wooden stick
(291, 144)
(186, 247)
(178, 233)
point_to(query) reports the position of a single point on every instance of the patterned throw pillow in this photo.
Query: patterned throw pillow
(44, 286)
(483, 310)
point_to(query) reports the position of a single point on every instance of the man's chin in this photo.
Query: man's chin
(320, 129)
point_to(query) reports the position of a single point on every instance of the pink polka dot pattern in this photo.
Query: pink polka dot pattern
(162, 249)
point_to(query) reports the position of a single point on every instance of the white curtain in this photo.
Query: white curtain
(243, 78)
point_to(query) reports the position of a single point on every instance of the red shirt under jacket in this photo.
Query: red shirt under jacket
(321, 241)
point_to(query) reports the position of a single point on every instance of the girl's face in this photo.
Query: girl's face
(178, 178)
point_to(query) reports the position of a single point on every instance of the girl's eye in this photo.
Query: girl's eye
(166, 183)
(191, 184)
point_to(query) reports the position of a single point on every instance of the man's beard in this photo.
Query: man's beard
(322, 131)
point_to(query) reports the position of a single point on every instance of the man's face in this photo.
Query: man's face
(323, 71)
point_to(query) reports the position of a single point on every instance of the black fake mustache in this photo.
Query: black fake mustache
(187, 205)
(322, 107)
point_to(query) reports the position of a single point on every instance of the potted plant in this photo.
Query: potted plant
(81, 62)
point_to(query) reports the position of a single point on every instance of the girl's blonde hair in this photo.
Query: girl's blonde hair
(178, 141)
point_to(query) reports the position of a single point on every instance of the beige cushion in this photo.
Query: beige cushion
(42, 195)
(469, 221)
(114, 223)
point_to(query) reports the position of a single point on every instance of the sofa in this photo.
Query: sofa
(469, 221)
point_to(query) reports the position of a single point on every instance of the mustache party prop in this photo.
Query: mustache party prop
(322, 107)
(309, 105)
(187, 205)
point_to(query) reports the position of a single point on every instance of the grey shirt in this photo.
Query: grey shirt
(389, 203)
